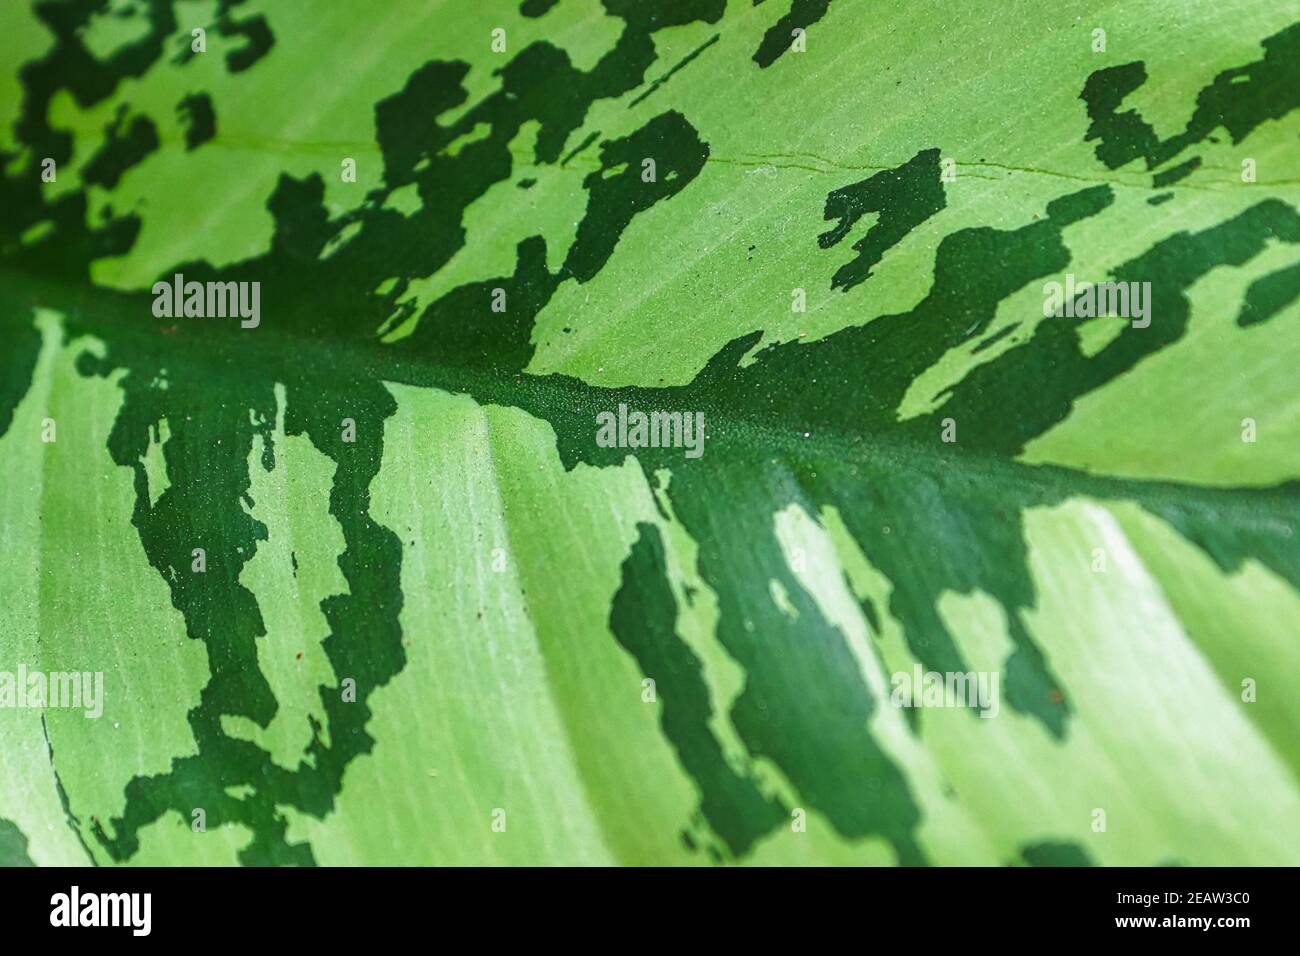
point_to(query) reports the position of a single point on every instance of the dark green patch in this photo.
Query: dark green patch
(13, 845)
(904, 197)
(1268, 295)
(125, 145)
(537, 8)
(779, 37)
(1175, 174)
(200, 119)
(1056, 854)
(643, 619)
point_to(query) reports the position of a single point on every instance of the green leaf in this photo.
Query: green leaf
(379, 573)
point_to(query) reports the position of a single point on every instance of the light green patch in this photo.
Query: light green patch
(93, 604)
(155, 465)
(121, 24)
(172, 841)
(28, 793)
(477, 134)
(23, 39)
(1156, 741)
(341, 239)
(1096, 334)
(781, 599)
(404, 199)
(36, 232)
(1243, 622)
(292, 572)
(472, 725)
